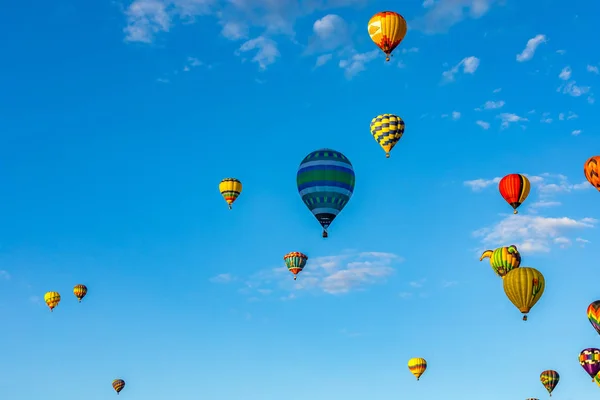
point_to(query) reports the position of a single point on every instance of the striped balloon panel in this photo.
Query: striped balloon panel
(325, 182)
(295, 261)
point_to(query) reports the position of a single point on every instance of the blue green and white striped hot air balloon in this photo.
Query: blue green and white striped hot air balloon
(325, 182)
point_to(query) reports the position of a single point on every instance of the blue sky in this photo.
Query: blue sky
(118, 120)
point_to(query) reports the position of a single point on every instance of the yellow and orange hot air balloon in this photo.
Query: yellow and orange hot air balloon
(591, 169)
(80, 291)
(387, 29)
(52, 299)
(417, 366)
(524, 286)
(230, 189)
(118, 385)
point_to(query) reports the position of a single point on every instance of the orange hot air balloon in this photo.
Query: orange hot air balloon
(52, 299)
(514, 188)
(80, 291)
(387, 29)
(591, 169)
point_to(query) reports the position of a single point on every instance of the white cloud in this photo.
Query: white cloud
(146, 18)
(497, 90)
(330, 274)
(565, 74)
(266, 51)
(530, 47)
(4, 274)
(469, 66)
(483, 124)
(582, 242)
(410, 50)
(572, 89)
(330, 32)
(492, 105)
(455, 115)
(593, 69)
(233, 30)
(322, 60)
(571, 115)
(532, 233)
(443, 14)
(509, 118)
(222, 278)
(356, 64)
(417, 284)
(546, 185)
(545, 204)
(428, 3)
(448, 284)
(162, 80)
(576, 132)
(561, 52)
(478, 185)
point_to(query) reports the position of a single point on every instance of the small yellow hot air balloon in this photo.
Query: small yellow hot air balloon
(417, 366)
(524, 286)
(230, 189)
(80, 291)
(52, 299)
(387, 29)
(387, 129)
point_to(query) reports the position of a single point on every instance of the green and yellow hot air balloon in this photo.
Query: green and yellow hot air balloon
(550, 379)
(503, 259)
(524, 286)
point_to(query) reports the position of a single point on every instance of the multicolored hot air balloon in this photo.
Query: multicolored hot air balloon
(592, 171)
(387, 29)
(230, 189)
(52, 299)
(590, 361)
(524, 286)
(80, 291)
(514, 188)
(118, 385)
(387, 129)
(503, 259)
(549, 379)
(417, 366)
(295, 262)
(597, 379)
(593, 314)
(325, 182)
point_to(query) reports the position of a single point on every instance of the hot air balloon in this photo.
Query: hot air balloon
(295, 262)
(532, 398)
(593, 313)
(524, 286)
(549, 379)
(230, 189)
(514, 188)
(591, 171)
(417, 366)
(80, 291)
(387, 129)
(597, 379)
(503, 259)
(325, 182)
(590, 361)
(118, 385)
(387, 29)
(52, 299)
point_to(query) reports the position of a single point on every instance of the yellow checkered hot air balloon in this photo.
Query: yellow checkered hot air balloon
(52, 299)
(524, 286)
(417, 366)
(230, 189)
(387, 29)
(387, 129)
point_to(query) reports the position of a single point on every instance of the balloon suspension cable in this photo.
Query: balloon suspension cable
(229, 206)
(524, 317)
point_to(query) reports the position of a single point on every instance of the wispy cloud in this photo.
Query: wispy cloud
(565, 74)
(222, 278)
(483, 124)
(530, 48)
(593, 69)
(491, 105)
(510, 118)
(266, 51)
(572, 89)
(468, 64)
(357, 63)
(576, 132)
(441, 15)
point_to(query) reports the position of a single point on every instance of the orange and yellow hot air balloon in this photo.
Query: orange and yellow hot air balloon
(230, 189)
(80, 291)
(514, 188)
(118, 385)
(417, 366)
(52, 299)
(387, 29)
(591, 169)
(524, 286)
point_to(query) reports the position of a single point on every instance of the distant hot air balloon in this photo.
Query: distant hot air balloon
(593, 313)
(118, 385)
(295, 262)
(503, 259)
(591, 170)
(230, 189)
(590, 361)
(387, 29)
(52, 299)
(80, 291)
(532, 398)
(524, 286)
(549, 379)
(387, 129)
(325, 182)
(417, 366)
(514, 188)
